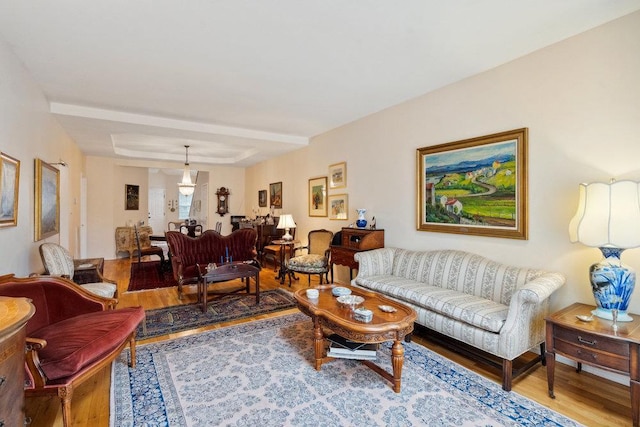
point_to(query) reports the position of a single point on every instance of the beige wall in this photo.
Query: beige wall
(28, 131)
(580, 100)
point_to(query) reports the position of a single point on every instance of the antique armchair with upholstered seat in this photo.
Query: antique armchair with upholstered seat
(58, 262)
(316, 260)
(72, 335)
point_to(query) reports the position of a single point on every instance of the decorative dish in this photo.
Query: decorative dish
(387, 308)
(584, 318)
(340, 291)
(351, 300)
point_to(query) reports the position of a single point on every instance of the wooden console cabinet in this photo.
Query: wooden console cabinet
(354, 240)
(14, 313)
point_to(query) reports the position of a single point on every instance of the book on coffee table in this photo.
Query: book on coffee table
(352, 355)
(340, 345)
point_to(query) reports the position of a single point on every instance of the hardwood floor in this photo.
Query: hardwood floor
(583, 397)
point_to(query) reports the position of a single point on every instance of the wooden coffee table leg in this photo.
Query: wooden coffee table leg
(397, 359)
(318, 343)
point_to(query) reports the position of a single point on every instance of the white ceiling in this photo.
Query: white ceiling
(242, 81)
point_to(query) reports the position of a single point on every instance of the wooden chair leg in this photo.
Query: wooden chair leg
(132, 346)
(65, 394)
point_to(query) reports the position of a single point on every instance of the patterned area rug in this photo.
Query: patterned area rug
(183, 317)
(261, 374)
(146, 275)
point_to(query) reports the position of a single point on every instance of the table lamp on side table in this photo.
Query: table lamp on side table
(286, 222)
(608, 218)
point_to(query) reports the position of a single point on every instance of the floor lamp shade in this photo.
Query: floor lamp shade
(608, 217)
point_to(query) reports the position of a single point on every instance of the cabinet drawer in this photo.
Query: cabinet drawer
(591, 341)
(593, 357)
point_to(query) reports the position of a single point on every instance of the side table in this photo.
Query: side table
(225, 273)
(88, 270)
(595, 343)
(284, 245)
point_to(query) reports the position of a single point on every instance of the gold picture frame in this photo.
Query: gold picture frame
(318, 196)
(338, 206)
(47, 200)
(131, 197)
(275, 195)
(9, 190)
(338, 175)
(475, 186)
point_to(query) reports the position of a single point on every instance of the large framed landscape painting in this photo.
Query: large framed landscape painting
(47, 192)
(9, 186)
(476, 186)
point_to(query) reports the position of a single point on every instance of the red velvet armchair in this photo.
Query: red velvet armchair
(72, 335)
(187, 252)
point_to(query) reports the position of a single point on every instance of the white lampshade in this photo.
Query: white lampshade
(286, 222)
(186, 187)
(608, 215)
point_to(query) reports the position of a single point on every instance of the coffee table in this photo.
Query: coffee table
(224, 273)
(326, 311)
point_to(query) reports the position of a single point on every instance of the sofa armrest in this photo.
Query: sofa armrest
(375, 262)
(524, 326)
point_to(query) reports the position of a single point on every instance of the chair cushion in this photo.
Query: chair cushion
(75, 343)
(106, 290)
(310, 263)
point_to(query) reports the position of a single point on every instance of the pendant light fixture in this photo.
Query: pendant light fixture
(186, 187)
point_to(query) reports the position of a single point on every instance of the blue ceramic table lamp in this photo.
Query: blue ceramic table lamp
(608, 218)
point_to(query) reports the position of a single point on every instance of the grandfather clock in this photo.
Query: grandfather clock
(223, 200)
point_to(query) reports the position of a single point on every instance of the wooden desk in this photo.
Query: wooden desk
(354, 240)
(595, 343)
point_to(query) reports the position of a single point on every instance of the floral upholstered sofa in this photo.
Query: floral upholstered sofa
(497, 308)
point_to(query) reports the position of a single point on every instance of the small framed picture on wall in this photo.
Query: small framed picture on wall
(262, 198)
(338, 206)
(338, 175)
(318, 196)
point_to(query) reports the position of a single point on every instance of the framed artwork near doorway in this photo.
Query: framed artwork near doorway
(47, 200)
(475, 186)
(131, 197)
(9, 186)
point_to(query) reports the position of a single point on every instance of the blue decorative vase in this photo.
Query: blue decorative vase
(361, 222)
(612, 284)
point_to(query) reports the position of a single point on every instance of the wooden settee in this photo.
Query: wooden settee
(72, 335)
(210, 247)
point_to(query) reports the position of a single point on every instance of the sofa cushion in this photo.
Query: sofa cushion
(74, 343)
(480, 312)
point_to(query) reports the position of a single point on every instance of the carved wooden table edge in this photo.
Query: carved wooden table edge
(332, 318)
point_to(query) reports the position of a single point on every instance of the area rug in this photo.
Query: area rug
(146, 275)
(178, 318)
(261, 374)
